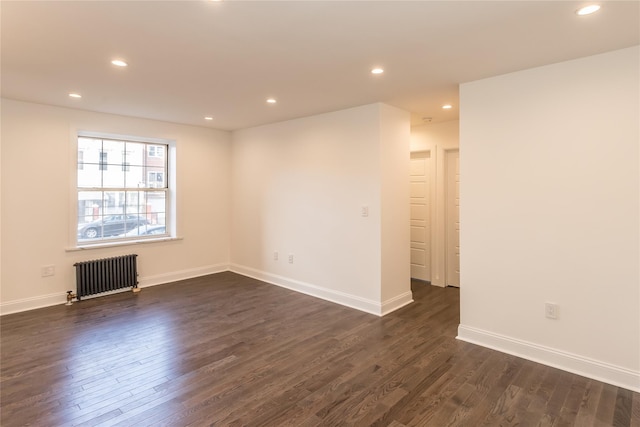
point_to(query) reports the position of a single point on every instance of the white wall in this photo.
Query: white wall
(38, 165)
(437, 139)
(550, 196)
(298, 187)
(395, 138)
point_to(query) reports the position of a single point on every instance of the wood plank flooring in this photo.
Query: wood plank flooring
(226, 350)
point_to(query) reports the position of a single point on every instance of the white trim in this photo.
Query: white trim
(396, 303)
(576, 364)
(348, 300)
(174, 276)
(80, 133)
(352, 301)
(42, 301)
(32, 303)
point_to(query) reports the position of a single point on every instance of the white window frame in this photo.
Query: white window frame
(170, 191)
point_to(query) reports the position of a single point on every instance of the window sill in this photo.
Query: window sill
(127, 243)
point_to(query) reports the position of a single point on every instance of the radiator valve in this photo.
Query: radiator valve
(70, 297)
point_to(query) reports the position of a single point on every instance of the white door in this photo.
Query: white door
(452, 218)
(420, 216)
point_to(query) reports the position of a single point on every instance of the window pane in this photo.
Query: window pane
(90, 230)
(137, 202)
(113, 221)
(91, 149)
(156, 207)
(90, 215)
(148, 230)
(90, 176)
(133, 202)
(89, 206)
(113, 177)
(156, 151)
(155, 177)
(110, 159)
(113, 152)
(135, 153)
(134, 177)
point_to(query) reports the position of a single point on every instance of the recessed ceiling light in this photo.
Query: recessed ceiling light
(588, 10)
(271, 101)
(447, 107)
(119, 63)
(377, 71)
(208, 118)
(75, 95)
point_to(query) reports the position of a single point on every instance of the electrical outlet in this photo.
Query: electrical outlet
(275, 256)
(290, 258)
(550, 310)
(364, 211)
(47, 270)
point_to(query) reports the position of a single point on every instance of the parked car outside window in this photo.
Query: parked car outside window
(111, 225)
(147, 230)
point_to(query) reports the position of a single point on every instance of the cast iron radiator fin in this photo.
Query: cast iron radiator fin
(106, 274)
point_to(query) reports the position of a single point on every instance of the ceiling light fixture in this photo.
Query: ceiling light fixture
(208, 118)
(377, 71)
(447, 107)
(119, 63)
(271, 101)
(75, 95)
(588, 10)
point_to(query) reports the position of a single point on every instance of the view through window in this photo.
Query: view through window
(123, 192)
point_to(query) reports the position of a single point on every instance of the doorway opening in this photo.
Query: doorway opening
(435, 217)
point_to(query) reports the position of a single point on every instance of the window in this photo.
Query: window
(156, 151)
(122, 189)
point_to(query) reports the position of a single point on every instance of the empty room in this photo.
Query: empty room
(331, 213)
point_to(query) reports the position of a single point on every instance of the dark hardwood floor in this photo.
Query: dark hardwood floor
(226, 350)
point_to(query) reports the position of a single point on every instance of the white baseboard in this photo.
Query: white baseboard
(174, 276)
(342, 298)
(32, 303)
(397, 302)
(353, 301)
(580, 365)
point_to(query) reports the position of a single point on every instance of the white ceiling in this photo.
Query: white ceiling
(190, 59)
